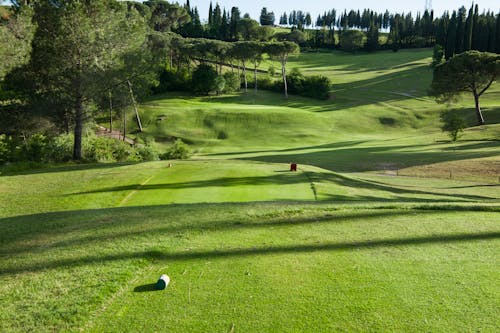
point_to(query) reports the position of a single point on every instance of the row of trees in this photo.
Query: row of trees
(464, 31)
(455, 32)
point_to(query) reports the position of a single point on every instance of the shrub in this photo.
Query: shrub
(233, 82)
(59, 148)
(34, 148)
(147, 153)
(178, 151)
(316, 86)
(4, 149)
(453, 123)
(171, 80)
(204, 79)
(220, 84)
(295, 80)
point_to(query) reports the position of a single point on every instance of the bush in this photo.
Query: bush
(204, 79)
(453, 123)
(295, 80)
(59, 149)
(147, 153)
(316, 86)
(171, 80)
(4, 149)
(233, 82)
(220, 84)
(34, 148)
(178, 151)
(101, 149)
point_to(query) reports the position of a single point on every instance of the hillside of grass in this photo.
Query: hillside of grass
(387, 226)
(379, 118)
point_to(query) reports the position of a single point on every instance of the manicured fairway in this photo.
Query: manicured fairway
(394, 256)
(385, 227)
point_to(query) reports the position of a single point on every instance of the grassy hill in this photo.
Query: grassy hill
(356, 240)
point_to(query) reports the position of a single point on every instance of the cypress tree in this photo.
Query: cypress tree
(210, 13)
(476, 34)
(497, 43)
(449, 49)
(460, 32)
(468, 30)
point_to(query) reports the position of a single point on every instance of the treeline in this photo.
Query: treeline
(459, 31)
(237, 58)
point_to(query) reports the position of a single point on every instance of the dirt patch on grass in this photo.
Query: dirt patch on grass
(480, 170)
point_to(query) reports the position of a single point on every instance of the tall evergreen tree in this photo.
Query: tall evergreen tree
(451, 35)
(78, 49)
(469, 28)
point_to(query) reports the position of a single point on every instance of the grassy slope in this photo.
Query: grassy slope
(90, 251)
(379, 110)
(330, 248)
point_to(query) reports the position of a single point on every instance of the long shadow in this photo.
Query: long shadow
(277, 179)
(67, 168)
(360, 159)
(175, 228)
(344, 144)
(282, 179)
(246, 252)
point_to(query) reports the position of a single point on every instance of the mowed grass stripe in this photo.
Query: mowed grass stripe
(223, 181)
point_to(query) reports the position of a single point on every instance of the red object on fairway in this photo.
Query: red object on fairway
(293, 167)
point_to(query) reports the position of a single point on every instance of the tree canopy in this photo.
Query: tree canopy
(470, 71)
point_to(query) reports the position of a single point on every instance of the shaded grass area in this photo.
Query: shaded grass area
(234, 263)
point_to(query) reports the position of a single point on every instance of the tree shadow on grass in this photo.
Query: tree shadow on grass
(124, 220)
(252, 252)
(67, 168)
(361, 159)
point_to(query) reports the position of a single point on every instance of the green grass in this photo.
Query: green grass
(387, 226)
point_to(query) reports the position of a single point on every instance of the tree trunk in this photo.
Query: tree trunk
(283, 73)
(110, 113)
(245, 76)
(139, 124)
(479, 114)
(255, 77)
(77, 146)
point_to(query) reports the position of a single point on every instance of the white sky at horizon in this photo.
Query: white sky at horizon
(318, 7)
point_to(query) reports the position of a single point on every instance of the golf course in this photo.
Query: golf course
(386, 226)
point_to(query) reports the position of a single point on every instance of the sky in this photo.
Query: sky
(253, 7)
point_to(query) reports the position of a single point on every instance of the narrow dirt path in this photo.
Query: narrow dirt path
(103, 131)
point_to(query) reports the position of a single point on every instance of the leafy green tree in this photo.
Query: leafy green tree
(247, 28)
(204, 80)
(372, 42)
(16, 34)
(266, 18)
(76, 49)
(471, 71)
(453, 124)
(281, 51)
(166, 16)
(243, 51)
(352, 40)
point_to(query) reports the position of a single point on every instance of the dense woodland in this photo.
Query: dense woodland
(68, 61)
